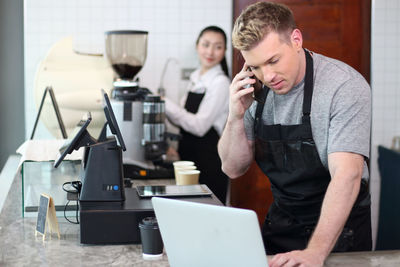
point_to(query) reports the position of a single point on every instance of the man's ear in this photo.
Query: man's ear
(297, 39)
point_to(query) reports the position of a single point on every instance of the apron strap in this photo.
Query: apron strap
(260, 106)
(308, 84)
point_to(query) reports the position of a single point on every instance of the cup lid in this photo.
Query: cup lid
(149, 223)
(182, 163)
(185, 167)
(183, 171)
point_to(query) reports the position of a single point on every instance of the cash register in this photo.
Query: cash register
(109, 212)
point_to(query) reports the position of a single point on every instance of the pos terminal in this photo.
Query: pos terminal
(110, 213)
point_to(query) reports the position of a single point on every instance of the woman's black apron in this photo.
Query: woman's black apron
(288, 155)
(203, 151)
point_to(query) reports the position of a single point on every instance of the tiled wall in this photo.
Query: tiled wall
(173, 27)
(385, 83)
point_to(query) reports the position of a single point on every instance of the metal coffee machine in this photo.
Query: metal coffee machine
(139, 113)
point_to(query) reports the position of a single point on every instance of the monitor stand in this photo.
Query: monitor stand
(102, 173)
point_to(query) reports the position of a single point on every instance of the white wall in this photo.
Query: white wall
(385, 83)
(173, 27)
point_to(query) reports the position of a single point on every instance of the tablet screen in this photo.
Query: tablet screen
(81, 138)
(112, 121)
(173, 190)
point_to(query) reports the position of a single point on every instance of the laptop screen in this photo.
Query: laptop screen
(197, 234)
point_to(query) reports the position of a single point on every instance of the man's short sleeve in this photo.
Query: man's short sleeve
(349, 129)
(249, 121)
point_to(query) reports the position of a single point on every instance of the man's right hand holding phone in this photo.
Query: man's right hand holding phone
(241, 91)
(235, 150)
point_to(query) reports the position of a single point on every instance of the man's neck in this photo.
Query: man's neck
(302, 69)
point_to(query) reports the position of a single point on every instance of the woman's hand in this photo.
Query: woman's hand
(240, 97)
(172, 154)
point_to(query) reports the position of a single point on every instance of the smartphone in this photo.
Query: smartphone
(257, 93)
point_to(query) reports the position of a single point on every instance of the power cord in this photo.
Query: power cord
(75, 189)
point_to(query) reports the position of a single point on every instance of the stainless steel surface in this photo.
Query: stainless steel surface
(153, 107)
(153, 133)
(132, 132)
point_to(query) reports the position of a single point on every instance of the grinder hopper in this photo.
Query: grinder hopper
(126, 51)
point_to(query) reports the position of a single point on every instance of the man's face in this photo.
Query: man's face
(278, 64)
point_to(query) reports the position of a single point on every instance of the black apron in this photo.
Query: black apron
(288, 155)
(203, 151)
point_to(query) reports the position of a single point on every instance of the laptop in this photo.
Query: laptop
(197, 234)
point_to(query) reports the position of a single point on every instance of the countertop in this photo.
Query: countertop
(20, 247)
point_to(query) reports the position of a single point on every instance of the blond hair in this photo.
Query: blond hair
(258, 20)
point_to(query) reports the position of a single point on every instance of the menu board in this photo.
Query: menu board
(47, 219)
(42, 214)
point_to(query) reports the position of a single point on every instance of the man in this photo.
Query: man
(309, 133)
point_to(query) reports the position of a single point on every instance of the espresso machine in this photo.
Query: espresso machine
(139, 113)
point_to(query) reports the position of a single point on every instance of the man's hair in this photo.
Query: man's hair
(258, 20)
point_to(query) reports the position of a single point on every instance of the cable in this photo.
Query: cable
(77, 185)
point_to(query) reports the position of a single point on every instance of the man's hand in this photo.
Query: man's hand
(235, 150)
(298, 258)
(346, 171)
(240, 98)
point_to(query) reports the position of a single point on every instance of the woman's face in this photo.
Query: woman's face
(210, 49)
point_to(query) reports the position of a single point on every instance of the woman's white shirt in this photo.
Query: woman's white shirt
(213, 109)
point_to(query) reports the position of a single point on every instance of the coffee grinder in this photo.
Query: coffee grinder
(139, 113)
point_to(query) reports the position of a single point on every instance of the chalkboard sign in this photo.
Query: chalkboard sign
(42, 214)
(46, 217)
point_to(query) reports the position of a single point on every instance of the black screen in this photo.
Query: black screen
(111, 120)
(75, 142)
(173, 190)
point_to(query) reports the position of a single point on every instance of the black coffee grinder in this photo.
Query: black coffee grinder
(140, 114)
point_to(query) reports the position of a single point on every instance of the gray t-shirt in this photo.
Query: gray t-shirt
(340, 110)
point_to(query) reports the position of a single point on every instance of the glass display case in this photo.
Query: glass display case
(42, 177)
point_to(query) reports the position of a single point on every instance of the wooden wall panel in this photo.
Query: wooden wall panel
(336, 28)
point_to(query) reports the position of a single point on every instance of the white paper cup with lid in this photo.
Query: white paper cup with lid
(188, 177)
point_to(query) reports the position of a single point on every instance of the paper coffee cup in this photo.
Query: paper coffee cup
(183, 168)
(192, 167)
(182, 164)
(187, 177)
(152, 244)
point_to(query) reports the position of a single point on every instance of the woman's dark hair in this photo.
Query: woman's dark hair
(216, 29)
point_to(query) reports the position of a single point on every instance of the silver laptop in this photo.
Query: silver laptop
(197, 234)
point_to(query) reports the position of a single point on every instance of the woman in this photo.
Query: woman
(205, 110)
